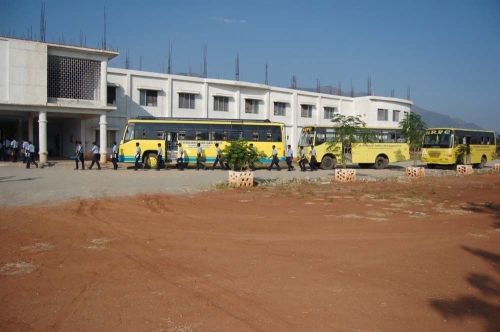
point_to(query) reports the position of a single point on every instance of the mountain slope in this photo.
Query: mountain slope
(433, 119)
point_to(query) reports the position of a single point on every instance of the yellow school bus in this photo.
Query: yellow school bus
(169, 132)
(441, 146)
(383, 147)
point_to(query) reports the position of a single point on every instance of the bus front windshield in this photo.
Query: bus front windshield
(128, 135)
(307, 137)
(438, 140)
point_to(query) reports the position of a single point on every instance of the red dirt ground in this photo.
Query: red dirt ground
(385, 256)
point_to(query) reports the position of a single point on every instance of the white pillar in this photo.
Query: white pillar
(30, 128)
(104, 83)
(268, 104)
(237, 101)
(205, 100)
(170, 97)
(318, 110)
(103, 130)
(42, 136)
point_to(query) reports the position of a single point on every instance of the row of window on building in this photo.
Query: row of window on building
(383, 115)
(149, 98)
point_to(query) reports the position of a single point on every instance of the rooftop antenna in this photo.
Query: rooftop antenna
(237, 67)
(318, 85)
(104, 31)
(205, 73)
(294, 82)
(190, 71)
(43, 23)
(392, 92)
(339, 88)
(140, 62)
(266, 82)
(169, 65)
(352, 90)
(369, 87)
(408, 93)
(127, 60)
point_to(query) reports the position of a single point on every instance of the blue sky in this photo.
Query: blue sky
(448, 52)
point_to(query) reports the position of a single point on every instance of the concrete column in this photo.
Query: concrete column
(42, 136)
(318, 110)
(104, 83)
(170, 97)
(237, 101)
(30, 128)
(103, 131)
(268, 105)
(205, 100)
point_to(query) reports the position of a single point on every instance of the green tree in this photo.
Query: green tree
(240, 156)
(348, 130)
(413, 127)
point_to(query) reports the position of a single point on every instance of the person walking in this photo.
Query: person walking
(180, 157)
(159, 157)
(312, 161)
(253, 156)
(302, 159)
(79, 155)
(199, 158)
(274, 159)
(14, 147)
(95, 156)
(114, 156)
(289, 157)
(25, 151)
(30, 158)
(138, 153)
(218, 157)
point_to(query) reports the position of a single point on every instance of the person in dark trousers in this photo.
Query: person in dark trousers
(114, 156)
(253, 155)
(180, 157)
(199, 158)
(275, 160)
(79, 155)
(138, 154)
(30, 157)
(159, 157)
(218, 157)
(95, 156)
(313, 163)
(25, 151)
(14, 147)
(289, 157)
(302, 159)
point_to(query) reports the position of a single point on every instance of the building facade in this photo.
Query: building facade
(56, 94)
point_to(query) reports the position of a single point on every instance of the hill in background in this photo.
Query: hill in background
(434, 119)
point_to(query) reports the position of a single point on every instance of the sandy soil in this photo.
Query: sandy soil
(382, 256)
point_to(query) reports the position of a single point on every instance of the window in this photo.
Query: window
(148, 97)
(221, 103)
(111, 95)
(329, 111)
(279, 108)
(306, 111)
(382, 115)
(187, 100)
(252, 106)
(395, 116)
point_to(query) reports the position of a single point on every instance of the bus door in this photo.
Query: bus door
(171, 145)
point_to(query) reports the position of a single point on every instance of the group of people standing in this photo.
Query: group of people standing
(10, 151)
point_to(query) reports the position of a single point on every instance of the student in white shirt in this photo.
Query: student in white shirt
(95, 156)
(275, 160)
(114, 156)
(30, 156)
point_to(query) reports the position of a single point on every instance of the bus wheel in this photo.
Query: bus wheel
(482, 163)
(431, 166)
(150, 161)
(364, 165)
(381, 162)
(328, 162)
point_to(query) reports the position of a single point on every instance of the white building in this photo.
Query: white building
(73, 95)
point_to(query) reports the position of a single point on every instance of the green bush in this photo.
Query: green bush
(240, 156)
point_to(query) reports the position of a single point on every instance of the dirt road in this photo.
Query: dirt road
(381, 256)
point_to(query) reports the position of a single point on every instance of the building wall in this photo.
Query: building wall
(170, 86)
